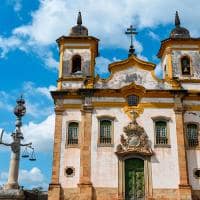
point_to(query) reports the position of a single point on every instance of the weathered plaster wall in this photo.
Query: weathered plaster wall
(132, 74)
(85, 61)
(191, 86)
(195, 63)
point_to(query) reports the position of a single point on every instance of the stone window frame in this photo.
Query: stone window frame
(112, 119)
(66, 132)
(147, 174)
(73, 174)
(198, 130)
(180, 63)
(71, 63)
(167, 120)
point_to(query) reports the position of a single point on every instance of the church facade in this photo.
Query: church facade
(131, 136)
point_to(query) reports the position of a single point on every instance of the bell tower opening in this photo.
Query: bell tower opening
(76, 63)
(185, 65)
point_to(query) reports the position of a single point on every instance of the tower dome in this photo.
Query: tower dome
(79, 30)
(178, 31)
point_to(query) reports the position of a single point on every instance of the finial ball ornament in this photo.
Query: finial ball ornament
(20, 108)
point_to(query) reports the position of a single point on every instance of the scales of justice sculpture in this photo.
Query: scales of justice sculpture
(12, 187)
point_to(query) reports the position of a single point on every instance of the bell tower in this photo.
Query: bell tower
(179, 54)
(77, 58)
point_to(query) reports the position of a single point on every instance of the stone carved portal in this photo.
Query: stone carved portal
(136, 140)
(134, 153)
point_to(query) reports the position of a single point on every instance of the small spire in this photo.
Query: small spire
(177, 20)
(79, 19)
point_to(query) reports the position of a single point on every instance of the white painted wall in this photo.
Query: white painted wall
(105, 163)
(193, 156)
(165, 173)
(69, 156)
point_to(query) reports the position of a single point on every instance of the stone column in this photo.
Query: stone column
(85, 185)
(184, 187)
(54, 192)
(14, 166)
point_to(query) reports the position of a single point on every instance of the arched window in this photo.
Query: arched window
(105, 132)
(132, 100)
(192, 135)
(72, 136)
(185, 65)
(161, 132)
(76, 64)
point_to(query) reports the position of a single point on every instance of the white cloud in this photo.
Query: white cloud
(31, 178)
(16, 4)
(40, 134)
(106, 20)
(9, 44)
(102, 65)
(159, 71)
(51, 62)
(154, 36)
(31, 89)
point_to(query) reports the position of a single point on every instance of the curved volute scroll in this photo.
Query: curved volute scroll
(135, 140)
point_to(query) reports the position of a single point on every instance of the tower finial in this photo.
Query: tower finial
(177, 20)
(131, 31)
(79, 19)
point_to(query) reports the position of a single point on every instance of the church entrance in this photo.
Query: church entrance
(134, 179)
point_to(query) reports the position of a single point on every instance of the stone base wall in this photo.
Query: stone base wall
(98, 194)
(195, 194)
(112, 194)
(165, 194)
(105, 194)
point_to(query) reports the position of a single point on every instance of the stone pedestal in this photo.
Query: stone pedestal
(12, 194)
(85, 191)
(185, 192)
(54, 192)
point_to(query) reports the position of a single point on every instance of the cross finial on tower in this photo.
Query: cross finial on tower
(79, 19)
(177, 20)
(131, 31)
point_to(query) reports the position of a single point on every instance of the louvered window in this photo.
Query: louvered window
(72, 133)
(105, 132)
(161, 132)
(192, 135)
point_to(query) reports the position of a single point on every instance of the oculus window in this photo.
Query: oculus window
(132, 100)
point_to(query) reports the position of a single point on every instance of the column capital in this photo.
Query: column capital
(59, 110)
(179, 110)
(87, 109)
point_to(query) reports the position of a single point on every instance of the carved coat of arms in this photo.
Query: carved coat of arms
(135, 140)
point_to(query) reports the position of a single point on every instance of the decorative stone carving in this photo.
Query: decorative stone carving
(136, 140)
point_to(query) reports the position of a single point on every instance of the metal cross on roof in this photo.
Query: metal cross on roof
(131, 31)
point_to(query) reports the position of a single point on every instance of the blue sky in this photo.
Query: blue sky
(29, 58)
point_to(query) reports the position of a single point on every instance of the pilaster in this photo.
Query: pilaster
(54, 186)
(85, 185)
(184, 186)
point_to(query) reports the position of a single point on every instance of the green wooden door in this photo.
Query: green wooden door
(134, 179)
